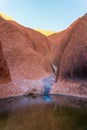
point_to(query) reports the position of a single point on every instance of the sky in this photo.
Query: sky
(54, 15)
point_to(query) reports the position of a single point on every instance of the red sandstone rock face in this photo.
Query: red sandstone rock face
(71, 58)
(56, 38)
(24, 50)
(23, 61)
(21, 47)
(4, 71)
(70, 54)
(40, 42)
(74, 59)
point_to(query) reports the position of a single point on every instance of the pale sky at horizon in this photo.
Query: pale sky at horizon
(53, 15)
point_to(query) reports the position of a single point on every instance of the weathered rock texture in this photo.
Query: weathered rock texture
(21, 50)
(40, 42)
(70, 54)
(28, 57)
(4, 71)
(24, 50)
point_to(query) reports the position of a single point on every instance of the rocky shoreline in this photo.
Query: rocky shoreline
(43, 86)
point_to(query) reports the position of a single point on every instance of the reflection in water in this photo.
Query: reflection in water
(47, 98)
(43, 113)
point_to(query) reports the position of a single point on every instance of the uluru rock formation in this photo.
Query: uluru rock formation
(40, 42)
(29, 57)
(21, 49)
(74, 60)
(70, 54)
(4, 71)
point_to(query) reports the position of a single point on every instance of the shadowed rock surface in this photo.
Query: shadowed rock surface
(4, 71)
(70, 54)
(74, 59)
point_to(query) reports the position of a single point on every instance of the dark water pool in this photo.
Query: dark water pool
(43, 113)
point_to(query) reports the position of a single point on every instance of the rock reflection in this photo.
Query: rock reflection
(47, 98)
(42, 113)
